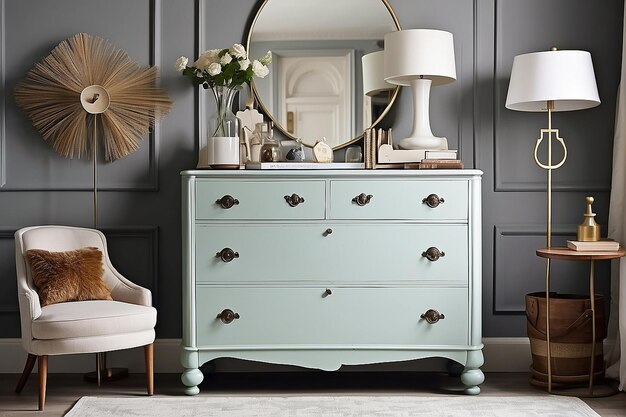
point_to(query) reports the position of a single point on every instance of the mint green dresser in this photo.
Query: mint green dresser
(325, 268)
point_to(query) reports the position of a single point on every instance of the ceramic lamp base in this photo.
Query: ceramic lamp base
(430, 143)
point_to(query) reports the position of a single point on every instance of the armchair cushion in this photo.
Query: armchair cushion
(68, 276)
(92, 318)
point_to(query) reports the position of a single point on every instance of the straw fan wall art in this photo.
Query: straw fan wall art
(85, 89)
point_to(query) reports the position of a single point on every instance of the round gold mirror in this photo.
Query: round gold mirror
(325, 78)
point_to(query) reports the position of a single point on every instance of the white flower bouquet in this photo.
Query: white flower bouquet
(229, 67)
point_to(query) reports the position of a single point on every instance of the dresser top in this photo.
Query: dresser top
(339, 173)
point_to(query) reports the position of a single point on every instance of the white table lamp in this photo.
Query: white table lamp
(545, 82)
(373, 74)
(419, 58)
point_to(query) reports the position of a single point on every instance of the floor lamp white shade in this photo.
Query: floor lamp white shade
(420, 58)
(373, 74)
(563, 77)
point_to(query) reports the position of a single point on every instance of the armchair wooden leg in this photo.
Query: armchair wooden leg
(43, 375)
(149, 355)
(28, 368)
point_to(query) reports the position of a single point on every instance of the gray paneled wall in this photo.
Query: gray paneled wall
(140, 197)
(514, 198)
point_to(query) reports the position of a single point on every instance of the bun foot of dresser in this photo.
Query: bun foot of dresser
(191, 378)
(472, 376)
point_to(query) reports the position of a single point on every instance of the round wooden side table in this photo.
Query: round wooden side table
(567, 254)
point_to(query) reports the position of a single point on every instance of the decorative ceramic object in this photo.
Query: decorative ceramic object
(248, 119)
(293, 150)
(322, 152)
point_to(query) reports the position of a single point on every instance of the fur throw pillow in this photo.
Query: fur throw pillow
(68, 276)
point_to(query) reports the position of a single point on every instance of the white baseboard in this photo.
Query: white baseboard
(502, 354)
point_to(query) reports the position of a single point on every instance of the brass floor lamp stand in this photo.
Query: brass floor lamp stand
(566, 254)
(102, 372)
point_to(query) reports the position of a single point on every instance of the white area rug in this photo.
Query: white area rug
(335, 406)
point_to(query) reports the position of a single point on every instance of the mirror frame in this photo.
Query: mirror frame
(250, 27)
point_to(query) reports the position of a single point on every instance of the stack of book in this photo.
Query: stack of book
(604, 245)
(444, 159)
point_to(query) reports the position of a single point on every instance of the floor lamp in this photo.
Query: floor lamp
(551, 81)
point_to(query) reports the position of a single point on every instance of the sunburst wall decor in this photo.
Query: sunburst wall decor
(83, 76)
(86, 78)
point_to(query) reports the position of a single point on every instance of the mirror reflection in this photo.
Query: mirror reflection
(315, 87)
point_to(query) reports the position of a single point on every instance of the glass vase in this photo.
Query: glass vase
(223, 131)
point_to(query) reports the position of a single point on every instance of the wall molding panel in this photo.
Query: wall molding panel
(516, 233)
(567, 120)
(152, 141)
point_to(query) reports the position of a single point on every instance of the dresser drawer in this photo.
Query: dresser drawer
(348, 316)
(355, 252)
(260, 200)
(399, 199)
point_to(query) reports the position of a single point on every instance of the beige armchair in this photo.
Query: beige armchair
(80, 326)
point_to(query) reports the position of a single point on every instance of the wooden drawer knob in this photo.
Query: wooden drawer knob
(362, 199)
(294, 199)
(227, 201)
(227, 316)
(432, 316)
(433, 200)
(433, 254)
(227, 254)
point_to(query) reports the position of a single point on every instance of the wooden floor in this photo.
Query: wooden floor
(65, 389)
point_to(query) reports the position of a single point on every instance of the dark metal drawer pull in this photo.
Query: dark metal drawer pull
(433, 200)
(227, 316)
(227, 254)
(227, 201)
(294, 199)
(432, 316)
(327, 232)
(328, 292)
(433, 254)
(362, 199)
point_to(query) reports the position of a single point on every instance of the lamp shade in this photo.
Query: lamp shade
(565, 77)
(419, 53)
(373, 74)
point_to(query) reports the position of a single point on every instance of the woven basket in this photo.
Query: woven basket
(570, 336)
